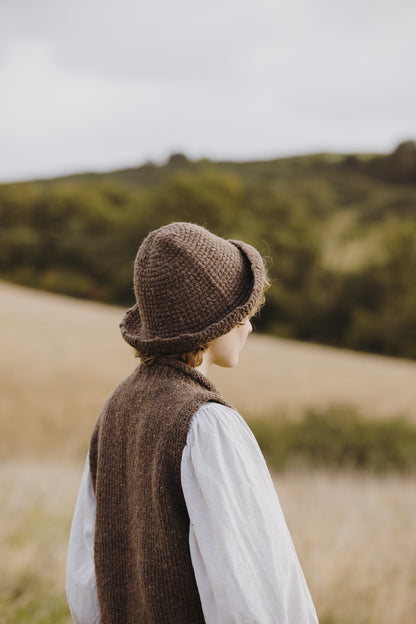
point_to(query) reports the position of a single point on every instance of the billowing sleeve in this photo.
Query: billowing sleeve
(81, 588)
(243, 557)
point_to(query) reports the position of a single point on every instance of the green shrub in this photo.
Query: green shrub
(338, 437)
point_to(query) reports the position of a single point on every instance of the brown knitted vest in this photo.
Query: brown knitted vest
(142, 560)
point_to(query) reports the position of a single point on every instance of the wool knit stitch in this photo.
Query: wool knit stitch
(191, 287)
(142, 561)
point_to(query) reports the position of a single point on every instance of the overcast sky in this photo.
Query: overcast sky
(100, 84)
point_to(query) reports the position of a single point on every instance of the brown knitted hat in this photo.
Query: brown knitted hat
(191, 287)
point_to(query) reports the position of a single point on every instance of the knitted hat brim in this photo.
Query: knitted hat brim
(132, 329)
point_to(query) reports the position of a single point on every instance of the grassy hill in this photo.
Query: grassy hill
(61, 357)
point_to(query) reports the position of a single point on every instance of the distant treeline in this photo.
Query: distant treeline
(339, 233)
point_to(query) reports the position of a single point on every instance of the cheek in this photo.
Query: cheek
(240, 341)
(244, 334)
(226, 351)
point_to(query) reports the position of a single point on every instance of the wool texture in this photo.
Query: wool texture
(191, 287)
(142, 560)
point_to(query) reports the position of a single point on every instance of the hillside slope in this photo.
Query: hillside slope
(60, 358)
(337, 233)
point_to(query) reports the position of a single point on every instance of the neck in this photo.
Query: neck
(206, 364)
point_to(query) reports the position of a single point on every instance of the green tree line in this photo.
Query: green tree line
(338, 234)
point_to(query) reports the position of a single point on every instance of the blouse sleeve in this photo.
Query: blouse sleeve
(244, 560)
(81, 588)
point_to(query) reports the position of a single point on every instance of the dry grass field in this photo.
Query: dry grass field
(59, 360)
(354, 536)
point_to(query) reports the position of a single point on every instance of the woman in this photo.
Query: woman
(177, 520)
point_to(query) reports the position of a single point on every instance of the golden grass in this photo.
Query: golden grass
(37, 501)
(59, 360)
(356, 541)
(61, 357)
(354, 536)
(292, 376)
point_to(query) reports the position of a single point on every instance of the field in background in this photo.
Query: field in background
(61, 357)
(59, 360)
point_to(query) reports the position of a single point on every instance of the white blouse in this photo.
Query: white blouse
(244, 561)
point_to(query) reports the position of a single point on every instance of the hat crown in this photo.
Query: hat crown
(186, 278)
